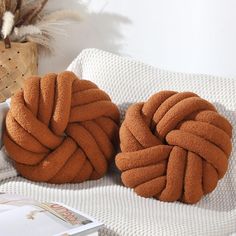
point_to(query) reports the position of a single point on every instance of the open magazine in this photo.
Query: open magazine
(24, 216)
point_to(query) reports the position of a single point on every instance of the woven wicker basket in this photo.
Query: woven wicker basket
(16, 64)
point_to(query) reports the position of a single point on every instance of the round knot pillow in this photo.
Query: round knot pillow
(174, 147)
(61, 129)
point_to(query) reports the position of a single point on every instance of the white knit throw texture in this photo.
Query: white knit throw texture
(6, 168)
(122, 211)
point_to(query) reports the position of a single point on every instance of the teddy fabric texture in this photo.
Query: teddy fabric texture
(61, 129)
(6, 168)
(174, 147)
(121, 210)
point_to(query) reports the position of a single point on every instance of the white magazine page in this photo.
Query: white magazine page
(30, 217)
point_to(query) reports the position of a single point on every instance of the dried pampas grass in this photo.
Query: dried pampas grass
(24, 20)
(49, 31)
(19, 33)
(42, 41)
(61, 15)
(35, 12)
(7, 24)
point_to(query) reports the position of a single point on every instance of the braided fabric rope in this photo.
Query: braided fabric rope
(174, 147)
(61, 129)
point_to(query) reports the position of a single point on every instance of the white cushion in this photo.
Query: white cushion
(128, 81)
(123, 212)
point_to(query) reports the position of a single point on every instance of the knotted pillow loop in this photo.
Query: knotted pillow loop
(174, 147)
(61, 129)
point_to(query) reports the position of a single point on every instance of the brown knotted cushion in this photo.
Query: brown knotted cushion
(174, 147)
(61, 129)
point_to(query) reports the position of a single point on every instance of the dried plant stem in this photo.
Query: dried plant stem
(7, 42)
(18, 5)
(36, 11)
(61, 15)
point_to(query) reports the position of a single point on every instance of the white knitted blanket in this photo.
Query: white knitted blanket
(122, 211)
(6, 168)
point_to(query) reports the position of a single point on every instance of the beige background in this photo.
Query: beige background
(184, 35)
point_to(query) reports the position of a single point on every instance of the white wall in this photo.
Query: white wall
(182, 35)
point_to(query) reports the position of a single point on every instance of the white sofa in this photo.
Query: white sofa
(122, 211)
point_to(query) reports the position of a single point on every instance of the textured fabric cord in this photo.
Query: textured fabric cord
(61, 129)
(128, 81)
(122, 211)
